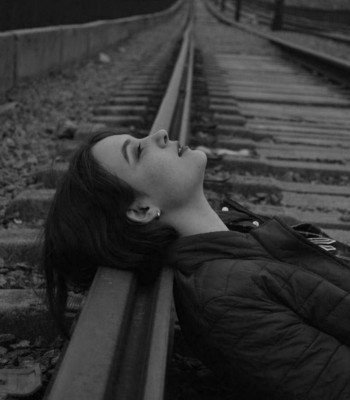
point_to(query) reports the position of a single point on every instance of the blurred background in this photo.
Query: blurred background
(20, 14)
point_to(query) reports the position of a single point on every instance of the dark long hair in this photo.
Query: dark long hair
(87, 227)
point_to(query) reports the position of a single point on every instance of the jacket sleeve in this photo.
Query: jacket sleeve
(278, 352)
(312, 297)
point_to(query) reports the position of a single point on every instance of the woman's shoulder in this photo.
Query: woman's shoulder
(221, 278)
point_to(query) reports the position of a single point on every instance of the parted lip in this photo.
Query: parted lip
(181, 149)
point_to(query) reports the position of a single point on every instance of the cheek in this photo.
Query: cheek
(160, 173)
(160, 176)
(173, 174)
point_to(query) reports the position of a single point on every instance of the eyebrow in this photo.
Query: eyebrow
(124, 152)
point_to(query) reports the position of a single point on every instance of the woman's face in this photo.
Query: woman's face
(168, 180)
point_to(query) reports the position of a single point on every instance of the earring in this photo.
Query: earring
(158, 214)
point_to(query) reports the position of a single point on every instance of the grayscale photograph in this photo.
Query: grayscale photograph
(175, 199)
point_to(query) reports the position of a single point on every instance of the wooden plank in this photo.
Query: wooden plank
(258, 97)
(276, 86)
(277, 166)
(267, 149)
(276, 126)
(305, 129)
(271, 89)
(329, 112)
(297, 120)
(311, 154)
(254, 184)
(325, 202)
(249, 57)
(247, 67)
(254, 78)
(317, 142)
(268, 76)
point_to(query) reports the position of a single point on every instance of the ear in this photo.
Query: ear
(142, 212)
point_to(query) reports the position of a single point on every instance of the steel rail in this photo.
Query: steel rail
(296, 24)
(185, 123)
(122, 340)
(334, 67)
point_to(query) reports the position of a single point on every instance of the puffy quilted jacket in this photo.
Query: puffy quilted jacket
(265, 309)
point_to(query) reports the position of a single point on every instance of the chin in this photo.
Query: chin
(200, 155)
(204, 159)
(199, 161)
(202, 164)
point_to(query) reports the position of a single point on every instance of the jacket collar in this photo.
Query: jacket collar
(189, 252)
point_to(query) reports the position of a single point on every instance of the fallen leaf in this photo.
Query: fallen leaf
(20, 381)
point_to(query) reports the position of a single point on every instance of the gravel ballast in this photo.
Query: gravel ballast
(34, 109)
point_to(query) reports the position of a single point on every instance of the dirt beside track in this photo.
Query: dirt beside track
(30, 119)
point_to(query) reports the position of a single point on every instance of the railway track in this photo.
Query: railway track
(258, 14)
(277, 140)
(294, 124)
(142, 104)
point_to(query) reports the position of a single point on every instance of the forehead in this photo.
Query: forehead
(108, 152)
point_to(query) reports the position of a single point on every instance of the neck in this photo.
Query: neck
(195, 218)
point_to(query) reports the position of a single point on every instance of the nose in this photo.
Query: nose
(161, 138)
